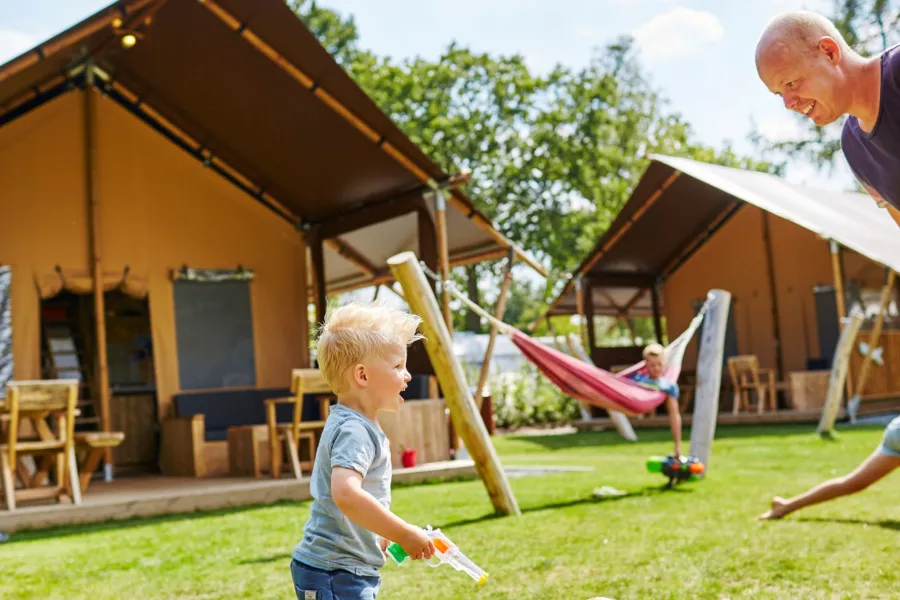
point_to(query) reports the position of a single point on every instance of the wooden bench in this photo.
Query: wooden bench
(195, 441)
(90, 447)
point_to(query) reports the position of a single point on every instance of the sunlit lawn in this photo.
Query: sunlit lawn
(697, 541)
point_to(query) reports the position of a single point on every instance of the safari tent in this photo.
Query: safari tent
(782, 250)
(211, 167)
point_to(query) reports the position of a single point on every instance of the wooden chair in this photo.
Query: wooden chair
(747, 376)
(303, 381)
(38, 401)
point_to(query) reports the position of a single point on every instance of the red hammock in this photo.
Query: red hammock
(585, 382)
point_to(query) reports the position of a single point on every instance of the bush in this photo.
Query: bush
(527, 397)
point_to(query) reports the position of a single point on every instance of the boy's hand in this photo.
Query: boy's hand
(417, 544)
(383, 544)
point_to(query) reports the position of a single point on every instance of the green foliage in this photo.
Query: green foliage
(552, 158)
(528, 398)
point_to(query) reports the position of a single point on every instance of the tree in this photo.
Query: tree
(553, 159)
(869, 27)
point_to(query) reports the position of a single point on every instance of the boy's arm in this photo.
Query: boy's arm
(352, 454)
(363, 509)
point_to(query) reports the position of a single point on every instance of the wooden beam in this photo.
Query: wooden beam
(370, 214)
(481, 257)
(498, 313)
(440, 213)
(863, 375)
(341, 286)
(96, 253)
(465, 415)
(352, 255)
(657, 321)
(428, 245)
(579, 303)
(838, 275)
(304, 304)
(587, 290)
(317, 254)
(773, 288)
(612, 279)
(839, 368)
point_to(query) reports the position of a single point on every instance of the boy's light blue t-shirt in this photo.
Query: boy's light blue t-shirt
(330, 539)
(670, 388)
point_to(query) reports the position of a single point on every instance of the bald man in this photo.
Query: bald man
(802, 57)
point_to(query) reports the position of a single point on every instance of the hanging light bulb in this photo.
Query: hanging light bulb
(129, 40)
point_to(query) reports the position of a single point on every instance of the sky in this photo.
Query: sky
(699, 53)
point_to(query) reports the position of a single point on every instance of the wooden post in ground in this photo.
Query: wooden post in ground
(96, 254)
(839, 368)
(466, 418)
(709, 376)
(840, 302)
(498, 313)
(853, 404)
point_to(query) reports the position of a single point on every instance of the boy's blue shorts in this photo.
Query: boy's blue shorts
(311, 583)
(890, 444)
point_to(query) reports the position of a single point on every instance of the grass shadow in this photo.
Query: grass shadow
(647, 491)
(889, 524)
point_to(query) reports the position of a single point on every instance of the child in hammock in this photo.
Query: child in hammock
(653, 378)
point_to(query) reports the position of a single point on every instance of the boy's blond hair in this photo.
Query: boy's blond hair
(355, 331)
(654, 350)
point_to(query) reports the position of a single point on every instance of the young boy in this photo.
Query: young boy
(653, 378)
(362, 355)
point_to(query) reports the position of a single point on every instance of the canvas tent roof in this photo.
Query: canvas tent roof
(679, 203)
(246, 86)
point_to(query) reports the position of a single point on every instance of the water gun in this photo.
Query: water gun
(677, 469)
(446, 552)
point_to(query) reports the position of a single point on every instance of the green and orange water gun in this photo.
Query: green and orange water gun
(677, 469)
(446, 553)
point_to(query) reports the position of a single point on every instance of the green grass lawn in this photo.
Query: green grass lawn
(697, 541)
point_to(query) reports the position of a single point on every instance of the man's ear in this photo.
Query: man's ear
(831, 49)
(360, 375)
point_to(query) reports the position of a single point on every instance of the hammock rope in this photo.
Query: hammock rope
(584, 381)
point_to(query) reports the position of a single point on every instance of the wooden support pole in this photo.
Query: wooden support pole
(588, 291)
(838, 274)
(773, 290)
(463, 412)
(579, 306)
(95, 236)
(862, 377)
(440, 213)
(317, 253)
(303, 276)
(839, 367)
(498, 313)
(657, 320)
(709, 375)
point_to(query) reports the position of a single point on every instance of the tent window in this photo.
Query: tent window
(214, 329)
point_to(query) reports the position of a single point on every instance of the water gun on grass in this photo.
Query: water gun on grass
(446, 552)
(677, 469)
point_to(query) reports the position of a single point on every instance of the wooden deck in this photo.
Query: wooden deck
(152, 495)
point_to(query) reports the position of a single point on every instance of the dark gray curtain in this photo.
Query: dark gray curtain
(6, 348)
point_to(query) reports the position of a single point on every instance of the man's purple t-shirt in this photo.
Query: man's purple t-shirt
(875, 157)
